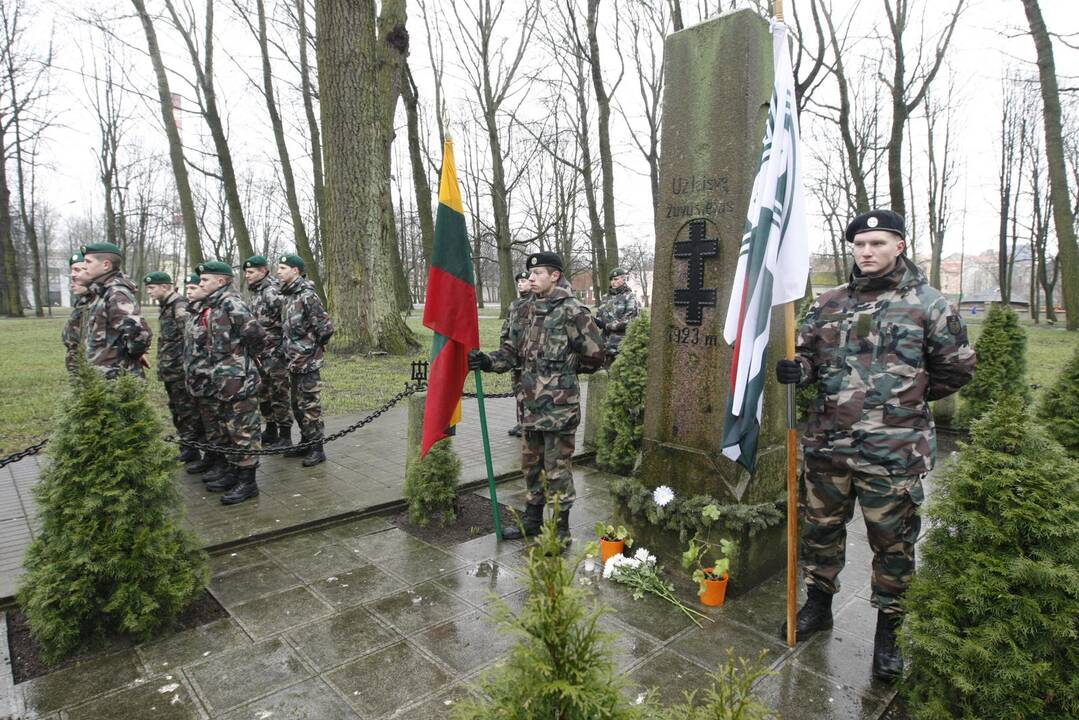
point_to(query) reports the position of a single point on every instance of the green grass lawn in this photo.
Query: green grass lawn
(35, 382)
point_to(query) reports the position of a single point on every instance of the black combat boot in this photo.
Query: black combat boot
(218, 472)
(515, 431)
(245, 487)
(887, 660)
(269, 435)
(284, 437)
(298, 451)
(188, 454)
(314, 457)
(533, 522)
(563, 527)
(203, 464)
(227, 481)
(815, 615)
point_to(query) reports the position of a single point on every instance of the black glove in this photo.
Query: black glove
(478, 360)
(789, 372)
(600, 324)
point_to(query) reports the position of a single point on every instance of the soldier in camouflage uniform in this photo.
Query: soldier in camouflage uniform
(73, 328)
(266, 303)
(115, 335)
(306, 328)
(555, 340)
(210, 462)
(878, 348)
(170, 361)
(518, 308)
(220, 353)
(616, 313)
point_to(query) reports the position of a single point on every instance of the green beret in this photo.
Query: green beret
(544, 259)
(214, 267)
(157, 278)
(616, 272)
(256, 261)
(292, 261)
(102, 248)
(192, 279)
(521, 276)
(75, 258)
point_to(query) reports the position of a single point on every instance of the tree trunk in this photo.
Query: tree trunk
(507, 288)
(419, 174)
(359, 65)
(600, 268)
(854, 166)
(299, 231)
(603, 113)
(1054, 151)
(10, 295)
(312, 126)
(176, 150)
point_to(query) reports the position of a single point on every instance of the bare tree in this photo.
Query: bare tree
(176, 150)
(1010, 177)
(360, 56)
(492, 67)
(1060, 197)
(942, 178)
(207, 99)
(603, 124)
(314, 135)
(421, 185)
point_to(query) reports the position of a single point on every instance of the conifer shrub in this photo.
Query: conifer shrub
(992, 629)
(111, 556)
(431, 485)
(563, 665)
(1002, 364)
(730, 696)
(619, 438)
(1059, 408)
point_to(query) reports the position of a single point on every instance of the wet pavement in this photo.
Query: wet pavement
(361, 620)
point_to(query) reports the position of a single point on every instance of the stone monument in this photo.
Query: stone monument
(717, 88)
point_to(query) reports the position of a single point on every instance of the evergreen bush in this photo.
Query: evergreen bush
(619, 438)
(992, 629)
(431, 485)
(1002, 364)
(730, 696)
(563, 665)
(111, 556)
(1059, 408)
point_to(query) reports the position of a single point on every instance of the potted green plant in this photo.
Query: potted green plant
(711, 578)
(612, 540)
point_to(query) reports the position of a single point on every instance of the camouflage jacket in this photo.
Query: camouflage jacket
(170, 338)
(879, 348)
(72, 333)
(220, 347)
(552, 339)
(305, 326)
(115, 335)
(617, 312)
(517, 307)
(266, 304)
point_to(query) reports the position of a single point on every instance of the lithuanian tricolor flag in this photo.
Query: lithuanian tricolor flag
(450, 310)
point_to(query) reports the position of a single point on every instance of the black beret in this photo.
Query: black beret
(544, 259)
(877, 220)
(523, 275)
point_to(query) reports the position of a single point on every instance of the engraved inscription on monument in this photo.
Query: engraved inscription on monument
(695, 296)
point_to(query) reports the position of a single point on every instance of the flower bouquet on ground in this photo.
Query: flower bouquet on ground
(641, 573)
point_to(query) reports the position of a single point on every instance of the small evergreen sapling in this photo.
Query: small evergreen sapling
(619, 437)
(111, 556)
(1059, 408)
(1002, 364)
(431, 485)
(991, 629)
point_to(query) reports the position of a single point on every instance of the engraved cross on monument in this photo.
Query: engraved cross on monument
(695, 297)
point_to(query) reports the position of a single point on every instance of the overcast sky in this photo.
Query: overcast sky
(983, 49)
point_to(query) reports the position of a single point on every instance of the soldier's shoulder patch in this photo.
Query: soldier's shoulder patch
(955, 325)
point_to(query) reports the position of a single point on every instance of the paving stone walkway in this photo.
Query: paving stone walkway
(362, 621)
(365, 470)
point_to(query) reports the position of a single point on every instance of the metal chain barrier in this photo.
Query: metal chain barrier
(24, 453)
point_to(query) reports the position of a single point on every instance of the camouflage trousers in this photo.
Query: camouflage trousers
(307, 404)
(547, 463)
(516, 377)
(890, 508)
(185, 411)
(233, 423)
(274, 391)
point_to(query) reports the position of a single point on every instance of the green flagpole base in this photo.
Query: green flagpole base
(487, 455)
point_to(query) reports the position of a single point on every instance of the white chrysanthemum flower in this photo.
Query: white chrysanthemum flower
(662, 495)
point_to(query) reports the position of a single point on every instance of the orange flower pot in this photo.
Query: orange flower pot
(610, 548)
(715, 591)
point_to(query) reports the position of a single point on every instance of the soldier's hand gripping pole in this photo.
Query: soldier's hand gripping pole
(792, 485)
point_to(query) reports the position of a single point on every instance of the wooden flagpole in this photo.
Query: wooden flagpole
(792, 462)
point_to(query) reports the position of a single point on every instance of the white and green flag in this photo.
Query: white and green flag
(773, 262)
